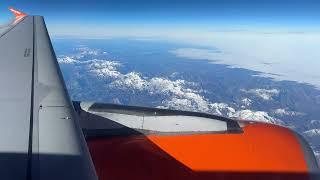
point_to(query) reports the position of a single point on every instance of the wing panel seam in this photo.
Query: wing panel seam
(8, 30)
(29, 162)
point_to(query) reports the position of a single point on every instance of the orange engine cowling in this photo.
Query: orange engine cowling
(261, 151)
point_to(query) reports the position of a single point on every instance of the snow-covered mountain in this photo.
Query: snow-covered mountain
(159, 79)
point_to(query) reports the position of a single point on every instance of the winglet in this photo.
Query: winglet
(18, 14)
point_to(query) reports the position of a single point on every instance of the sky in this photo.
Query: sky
(280, 38)
(210, 15)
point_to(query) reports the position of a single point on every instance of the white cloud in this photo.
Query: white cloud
(282, 56)
(265, 94)
(197, 54)
(293, 56)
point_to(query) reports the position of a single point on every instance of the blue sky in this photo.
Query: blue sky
(224, 15)
(282, 33)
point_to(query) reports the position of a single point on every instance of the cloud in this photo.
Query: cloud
(279, 54)
(197, 54)
(265, 94)
(284, 56)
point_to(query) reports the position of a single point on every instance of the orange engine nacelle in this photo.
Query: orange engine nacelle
(261, 151)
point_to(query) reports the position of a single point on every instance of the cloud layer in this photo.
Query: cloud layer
(280, 56)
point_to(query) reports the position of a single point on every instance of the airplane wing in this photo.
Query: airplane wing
(43, 135)
(40, 137)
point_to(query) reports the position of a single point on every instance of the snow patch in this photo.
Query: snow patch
(130, 80)
(314, 124)
(103, 68)
(260, 116)
(312, 133)
(265, 94)
(222, 109)
(66, 60)
(284, 112)
(246, 102)
(86, 51)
